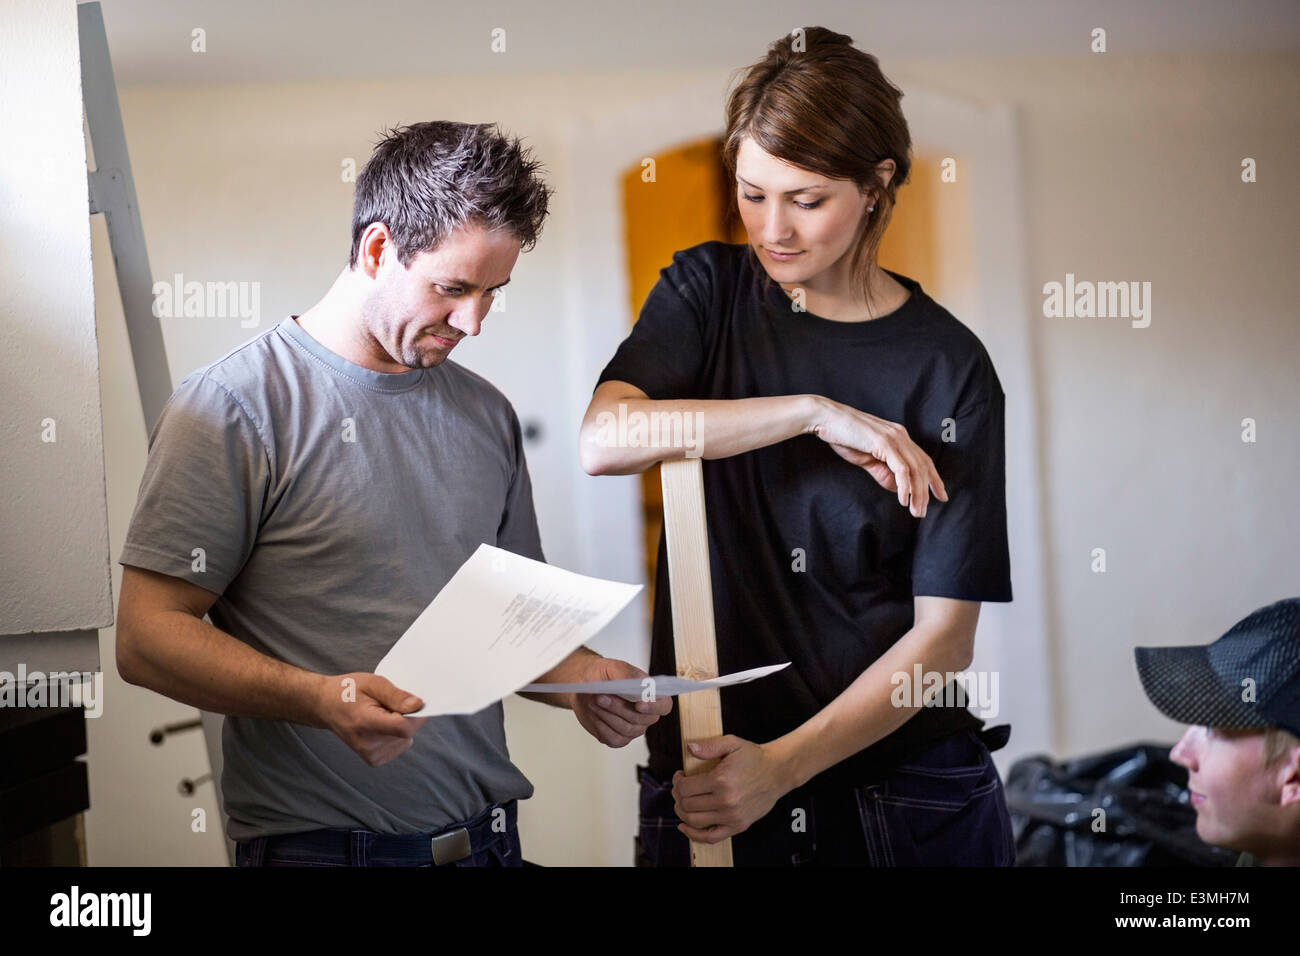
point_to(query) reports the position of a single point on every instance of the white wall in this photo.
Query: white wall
(1133, 172)
(1130, 171)
(54, 531)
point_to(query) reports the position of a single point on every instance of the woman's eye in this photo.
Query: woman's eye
(801, 205)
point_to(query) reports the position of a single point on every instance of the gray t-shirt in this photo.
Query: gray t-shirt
(331, 503)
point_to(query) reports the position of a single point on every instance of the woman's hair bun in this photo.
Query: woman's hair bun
(813, 37)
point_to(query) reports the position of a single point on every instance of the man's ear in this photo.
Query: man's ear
(1289, 773)
(376, 241)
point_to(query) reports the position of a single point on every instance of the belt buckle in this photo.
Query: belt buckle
(450, 846)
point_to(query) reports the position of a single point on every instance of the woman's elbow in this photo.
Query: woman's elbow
(598, 457)
(594, 458)
(592, 463)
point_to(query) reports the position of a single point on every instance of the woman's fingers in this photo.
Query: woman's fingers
(913, 470)
(893, 454)
(940, 489)
(896, 463)
(903, 475)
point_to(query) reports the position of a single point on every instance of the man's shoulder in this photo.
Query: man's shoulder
(244, 367)
(242, 383)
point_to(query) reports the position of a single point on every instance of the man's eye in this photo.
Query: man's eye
(447, 290)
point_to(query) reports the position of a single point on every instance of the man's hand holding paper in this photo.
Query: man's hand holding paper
(611, 719)
(503, 620)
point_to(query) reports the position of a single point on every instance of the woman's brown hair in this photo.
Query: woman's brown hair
(817, 102)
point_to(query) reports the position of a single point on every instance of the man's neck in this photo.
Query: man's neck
(335, 322)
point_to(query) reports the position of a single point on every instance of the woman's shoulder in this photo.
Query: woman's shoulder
(713, 252)
(713, 260)
(962, 350)
(706, 275)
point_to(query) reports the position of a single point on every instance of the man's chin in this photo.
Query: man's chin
(1211, 834)
(431, 358)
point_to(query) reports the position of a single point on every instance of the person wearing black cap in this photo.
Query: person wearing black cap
(1241, 695)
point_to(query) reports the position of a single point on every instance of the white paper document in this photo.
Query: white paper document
(634, 688)
(500, 622)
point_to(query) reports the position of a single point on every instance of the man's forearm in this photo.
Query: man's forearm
(611, 442)
(865, 712)
(188, 659)
(571, 670)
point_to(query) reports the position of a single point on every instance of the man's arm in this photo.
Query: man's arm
(731, 426)
(609, 718)
(164, 644)
(574, 669)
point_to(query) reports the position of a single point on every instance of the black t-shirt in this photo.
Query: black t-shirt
(711, 328)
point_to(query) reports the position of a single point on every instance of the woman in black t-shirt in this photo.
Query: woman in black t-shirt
(852, 431)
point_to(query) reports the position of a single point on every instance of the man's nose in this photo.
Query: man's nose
(1184, 752)
(468, 318)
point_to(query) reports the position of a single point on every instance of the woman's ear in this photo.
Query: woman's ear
(885, 170)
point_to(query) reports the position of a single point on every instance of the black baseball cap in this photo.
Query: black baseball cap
(1208, 684)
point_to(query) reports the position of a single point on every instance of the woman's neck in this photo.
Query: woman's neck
(833, 295)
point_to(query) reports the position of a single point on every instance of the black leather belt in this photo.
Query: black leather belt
(363, 847)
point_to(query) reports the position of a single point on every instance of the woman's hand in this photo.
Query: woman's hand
(885, 451)
(740, 789)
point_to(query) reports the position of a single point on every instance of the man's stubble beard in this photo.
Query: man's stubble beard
(377, 315)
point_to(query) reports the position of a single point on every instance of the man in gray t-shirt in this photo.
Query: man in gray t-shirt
(314, 488)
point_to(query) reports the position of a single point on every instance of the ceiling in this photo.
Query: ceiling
(288, 40)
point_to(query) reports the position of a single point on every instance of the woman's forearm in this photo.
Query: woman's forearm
(624, 436)
(866, 712)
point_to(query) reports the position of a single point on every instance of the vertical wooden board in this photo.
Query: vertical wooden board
(694, 639)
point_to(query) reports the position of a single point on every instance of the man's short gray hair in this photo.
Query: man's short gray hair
(425, 180)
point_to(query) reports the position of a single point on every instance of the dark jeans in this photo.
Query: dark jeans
(945, 807)
(492, 846)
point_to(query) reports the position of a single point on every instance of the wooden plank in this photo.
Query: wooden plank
(694, 640)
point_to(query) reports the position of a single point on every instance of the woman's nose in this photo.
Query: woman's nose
(776, 226)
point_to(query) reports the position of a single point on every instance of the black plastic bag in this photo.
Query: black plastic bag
(1147, 819)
